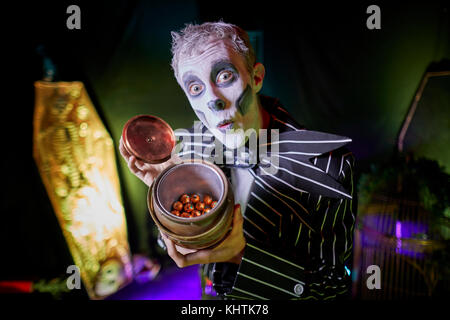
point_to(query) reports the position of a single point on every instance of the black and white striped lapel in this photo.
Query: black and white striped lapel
(296, 150)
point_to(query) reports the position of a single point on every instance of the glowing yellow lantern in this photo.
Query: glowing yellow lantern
(76, 160)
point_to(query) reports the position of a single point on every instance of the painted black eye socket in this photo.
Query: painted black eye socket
(195, 89)
(224, 76)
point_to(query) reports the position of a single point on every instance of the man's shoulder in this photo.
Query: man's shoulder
(280, 118)
(284, 118)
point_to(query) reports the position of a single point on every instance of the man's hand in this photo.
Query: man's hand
(144, 171)
(231, 249)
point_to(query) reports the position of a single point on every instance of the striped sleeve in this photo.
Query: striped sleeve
(265, 275)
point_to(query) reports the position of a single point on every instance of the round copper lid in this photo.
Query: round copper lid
(148, 138)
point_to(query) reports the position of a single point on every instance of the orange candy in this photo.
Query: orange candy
(207, 200)
(178, 206)
(188, 207)
(191, 206)
(196, 213)
(185, 199)
(195, 198)
(200, 206)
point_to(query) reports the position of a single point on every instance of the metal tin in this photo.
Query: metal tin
(148, 138)
(193, 232)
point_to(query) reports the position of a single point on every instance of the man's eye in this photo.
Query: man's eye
(224, 77)
(195, 89)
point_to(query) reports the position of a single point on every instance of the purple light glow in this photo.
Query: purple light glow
(171, 284)
(405, 229)
(398, 235)
(398, 229)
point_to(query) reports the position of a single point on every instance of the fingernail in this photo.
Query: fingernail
(237, 206)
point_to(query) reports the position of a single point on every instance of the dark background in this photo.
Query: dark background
(330, 71)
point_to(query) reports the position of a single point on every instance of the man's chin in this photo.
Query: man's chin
(230, 140)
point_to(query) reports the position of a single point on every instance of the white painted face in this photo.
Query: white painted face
(220, 91)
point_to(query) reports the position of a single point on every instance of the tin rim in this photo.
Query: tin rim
(220, 202)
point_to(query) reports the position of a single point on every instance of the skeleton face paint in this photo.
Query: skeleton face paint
(219, 88)
(245, 100)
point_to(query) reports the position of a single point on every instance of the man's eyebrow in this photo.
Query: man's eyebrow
(221, 64)
(189, 77)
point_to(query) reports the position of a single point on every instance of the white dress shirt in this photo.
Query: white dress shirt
(241, 182)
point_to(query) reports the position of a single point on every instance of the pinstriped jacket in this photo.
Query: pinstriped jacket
(298, 222)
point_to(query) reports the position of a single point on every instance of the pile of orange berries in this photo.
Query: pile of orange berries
(190, 206)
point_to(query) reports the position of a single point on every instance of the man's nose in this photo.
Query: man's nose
(216, 105)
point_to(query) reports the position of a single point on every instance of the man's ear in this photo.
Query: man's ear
(258, 76)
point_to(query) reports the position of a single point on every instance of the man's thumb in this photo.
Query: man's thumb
(237, 213)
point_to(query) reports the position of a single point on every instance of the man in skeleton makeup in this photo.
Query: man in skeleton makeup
(292, 235)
